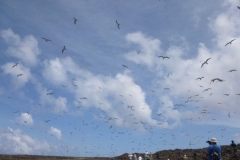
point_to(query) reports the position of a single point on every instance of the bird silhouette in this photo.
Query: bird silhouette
(46, 39)
(200, 78)
(64, 48)
(163, 57)
(75, 20)
(118, 25)
(49, 93)
(125, 66)
(19, 75)
(206, 62)
(216, 79)
(206, 89)
(15, 65)
(238, 7)
(230, 42)
(232, 70)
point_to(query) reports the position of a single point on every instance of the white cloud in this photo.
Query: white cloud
(25, 118)
(183, 73)
(16, 142)
(17, 81)
(149, 49)
(55, 105)
(25, 49)
(56, 132)
(55, 71)
(102, 91)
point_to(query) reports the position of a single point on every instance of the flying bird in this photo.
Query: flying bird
(63, 85)
(15, 65)
(118, 25)
(206, 62)
(230, 42)
(49, 93)
(125, 66)
(232, 70)
(216, 79)
(206, 89)
(19, 75)
(75, 20)
(238, 7)
(64, 48)
(200, 78)
(152, 90)
(46, 39)
(163, 57)
(226, 94)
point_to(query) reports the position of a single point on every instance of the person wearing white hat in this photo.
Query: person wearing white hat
(214, 150)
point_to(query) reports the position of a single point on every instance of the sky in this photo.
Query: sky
(166, 78)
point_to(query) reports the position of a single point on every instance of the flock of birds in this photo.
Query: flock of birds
(118, 133)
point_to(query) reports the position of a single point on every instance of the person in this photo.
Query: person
(130, 156)
(213, 146)
(234, 146)
(134, 156)
(185, 157)
(150, 156)
(140, 158)
(146, 155)
(194, 155)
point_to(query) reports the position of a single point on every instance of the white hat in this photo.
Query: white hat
(214, 140)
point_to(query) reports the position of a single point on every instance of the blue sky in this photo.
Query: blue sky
(109, 92)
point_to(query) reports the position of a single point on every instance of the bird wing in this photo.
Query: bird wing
(208, 59)
(227, 44)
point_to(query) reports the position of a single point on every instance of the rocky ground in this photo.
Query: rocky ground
(176, 154)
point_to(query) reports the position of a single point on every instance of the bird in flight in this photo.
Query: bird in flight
(64, 48)
(63, 85)
(230, 42)
(232, 70)
(206, 89)
(206, 62)
(216, 79)
(238, 7)
(163, 57)
(49, 93)
(46, 39)
(19, 75)
(138, 52)
(75, 20)
(125, 66)
(15, 65)
(200, 78)
(118, 25)
(226, 94)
